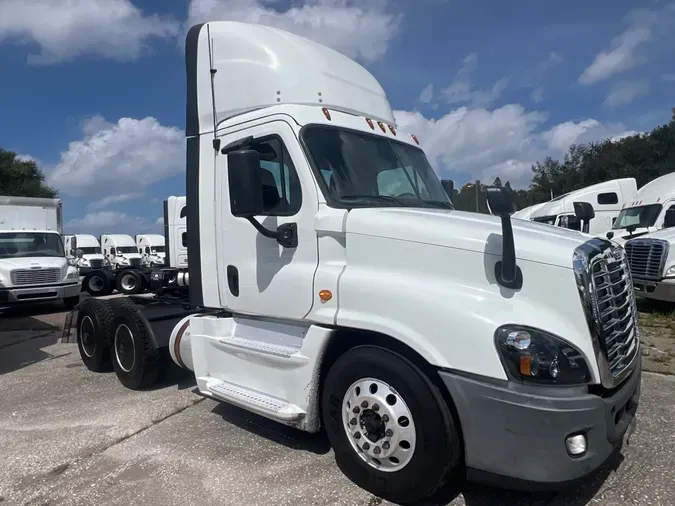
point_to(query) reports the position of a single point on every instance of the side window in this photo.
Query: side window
(183, 239)
(282, 195)
(183, 212)
(147, 250)
(608, 198)
(669, 218)
(112, 251)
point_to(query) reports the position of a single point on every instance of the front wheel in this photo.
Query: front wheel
(389, 426)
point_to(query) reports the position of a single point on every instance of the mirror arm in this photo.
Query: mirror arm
(508, 274)
(286, 234)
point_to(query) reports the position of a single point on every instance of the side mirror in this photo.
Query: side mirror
(79, 253)
(585, 212)
(669, 218)
(610, 234)
(245, 180)
(449, 187)
(72, 252)
(502, 203)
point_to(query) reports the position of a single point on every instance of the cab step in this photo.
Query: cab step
(255, 401)
(278, 350)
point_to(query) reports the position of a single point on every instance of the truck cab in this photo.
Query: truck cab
(333, 285)
(152, 249)
(175, 231)
(120, 251)
(33, 264)
(84, 252)
(607, 199)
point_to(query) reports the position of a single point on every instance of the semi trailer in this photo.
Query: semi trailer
(33, 263)
(332, 286)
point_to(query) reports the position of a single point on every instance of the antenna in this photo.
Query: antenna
(212, 71)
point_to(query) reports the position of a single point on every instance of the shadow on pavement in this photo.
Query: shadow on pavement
(19, 352)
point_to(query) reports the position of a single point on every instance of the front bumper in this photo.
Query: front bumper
(39, 293)
(515, 436)
(659, 290)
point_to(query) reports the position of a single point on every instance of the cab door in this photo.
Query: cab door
(256, 275)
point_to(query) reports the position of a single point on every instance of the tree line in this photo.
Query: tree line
(643, 157)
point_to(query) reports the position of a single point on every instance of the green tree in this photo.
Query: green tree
(22, 178)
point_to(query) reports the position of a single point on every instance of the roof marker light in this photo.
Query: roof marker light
(326, 113)
(392, 130)
(381, 125)
(370, 123)
(414, 137)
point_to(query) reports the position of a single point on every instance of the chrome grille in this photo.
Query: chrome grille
(606, 290)
(646, 257)
(135, 262)
(96, 264)
(35, 276)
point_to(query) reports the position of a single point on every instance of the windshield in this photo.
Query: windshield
(127, 249)
(549, 220)
(158, 249)
(30, 244)
(641, 216)
(90, 251)
(365, 170)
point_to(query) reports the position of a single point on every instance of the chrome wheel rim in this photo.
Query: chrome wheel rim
(96, 283)
(379, 425)
(87, 336)
(125, 351)
(128, 282)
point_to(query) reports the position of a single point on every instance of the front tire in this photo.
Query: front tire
(389, 426)
(94, 324)
(138, 364)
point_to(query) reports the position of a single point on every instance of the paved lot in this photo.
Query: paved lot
(69, 436)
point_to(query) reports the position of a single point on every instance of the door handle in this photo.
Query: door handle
(233, 280)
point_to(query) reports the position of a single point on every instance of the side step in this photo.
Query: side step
(277, 350)
(255, 401)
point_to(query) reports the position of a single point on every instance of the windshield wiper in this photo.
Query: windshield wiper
(387, 198)
(440, 204)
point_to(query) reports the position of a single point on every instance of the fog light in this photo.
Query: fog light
(576, 445)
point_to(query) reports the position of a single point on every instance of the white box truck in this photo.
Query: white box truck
(332, 285)
(33, 264)
(84, 252)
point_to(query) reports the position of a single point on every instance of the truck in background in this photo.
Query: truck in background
(84, 252)
(152, 250)
(33, 263)
(527, 212)
(607, 199)
(332, 284)
(129, 275)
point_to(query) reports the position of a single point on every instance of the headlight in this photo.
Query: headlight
(72, 275)
(534, 356)
(670, 273)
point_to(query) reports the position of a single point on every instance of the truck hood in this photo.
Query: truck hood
(29, 262)
(481, 233)
(621, 235)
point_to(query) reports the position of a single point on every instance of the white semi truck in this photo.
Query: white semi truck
(151, 247)
(175, 231)
(332, 285)
(607, 199)
(84, 252)
(33, 264)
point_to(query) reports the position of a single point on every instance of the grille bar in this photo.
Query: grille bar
(35, 276)
(647, 257)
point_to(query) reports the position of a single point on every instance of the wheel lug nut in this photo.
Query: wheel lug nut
(386, 445)
(357, 435)
(376, 407)
(364, 404)
(352, 421)
(385, 418)
(376, 450)
(389, 433)
(356, 409)
(366, 446)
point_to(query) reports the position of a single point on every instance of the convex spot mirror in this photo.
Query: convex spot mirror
(79, 253)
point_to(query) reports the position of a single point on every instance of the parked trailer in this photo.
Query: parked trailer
(332, 285)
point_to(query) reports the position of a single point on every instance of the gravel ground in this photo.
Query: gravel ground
(72, 437)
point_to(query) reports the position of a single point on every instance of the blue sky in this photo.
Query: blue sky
(95, 89)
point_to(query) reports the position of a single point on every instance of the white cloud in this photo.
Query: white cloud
(627, 50)
(358, 29)
(504, 142)
(66, 29)
(461, 90)
(624, 92)
(27, 158)
(159, 221)
(554, 58)
(114, 199)
(427, 94)
(110, 222)
(119, 158)
(537, 95)
(668, 78)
